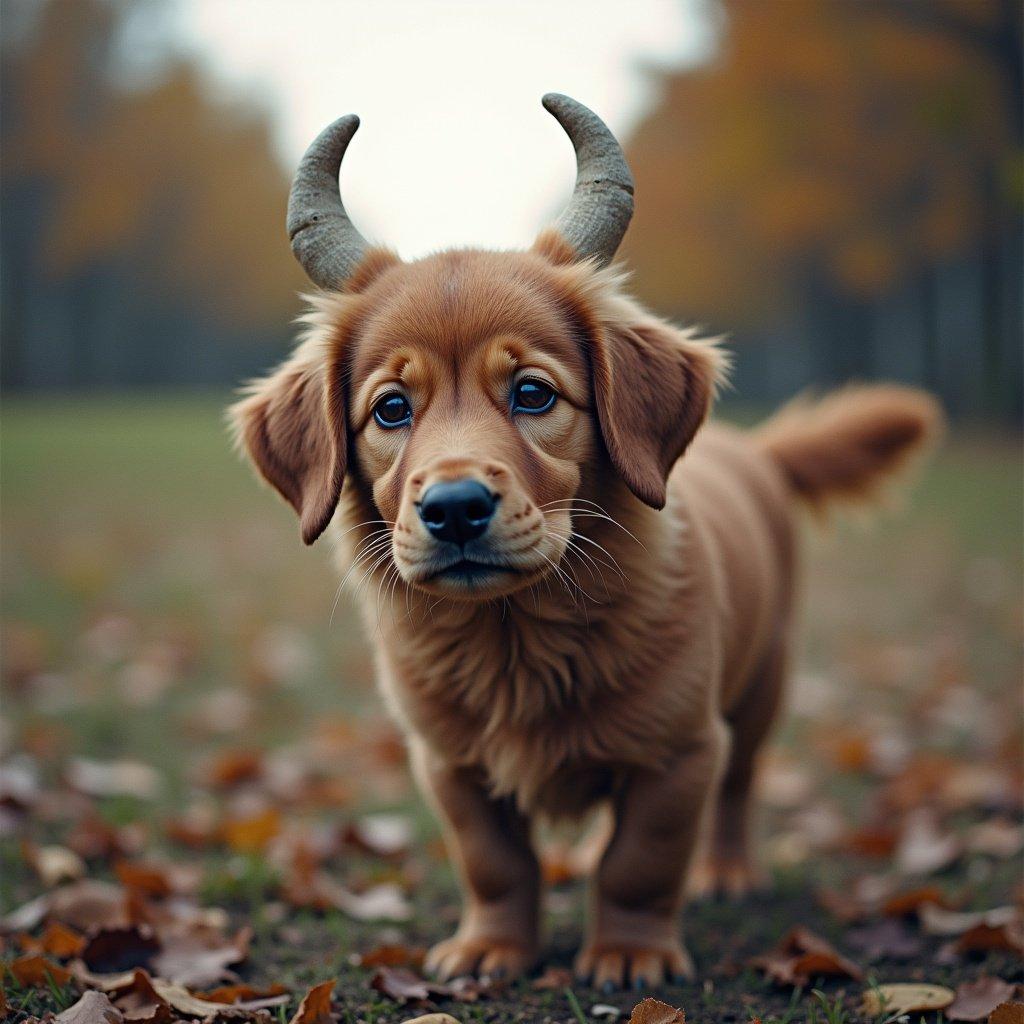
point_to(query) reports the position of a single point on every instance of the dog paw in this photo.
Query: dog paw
(732, 878)
(486, 958)
(608, 967)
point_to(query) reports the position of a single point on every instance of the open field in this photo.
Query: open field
(159, 607)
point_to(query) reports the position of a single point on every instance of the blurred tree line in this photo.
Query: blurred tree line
(143, 238)
(838, 187)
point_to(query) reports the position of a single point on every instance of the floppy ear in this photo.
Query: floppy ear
(653, 386)
(284, 427)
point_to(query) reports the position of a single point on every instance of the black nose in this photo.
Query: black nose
(457, 511)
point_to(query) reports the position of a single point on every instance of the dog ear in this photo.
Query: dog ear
(653, 387)
(285, 427)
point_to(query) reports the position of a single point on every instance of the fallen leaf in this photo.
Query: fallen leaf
(996, 838)
(242, 993)
(554, 979)
(1008, 937)
(114, 778)
(653, 1011)
(936, 920)
(27, 916)
(110, 950)
(252, 834)
(905, 903)
(58, 940)
(54, 864)
(234, 767)
(801, 956)
(1007, 1013)
(885, 940)
(975, 1000)
(905, 997)
(36, 971)
(315, 1007)
(390, 956)
(200, 959)
(384, 902)
(605, 1010)
(90, 904)
(92, 1008)
(400, 984)
(149, 879)
(384, 835)
(432, 1018)
(923, 848)
(140, 1002)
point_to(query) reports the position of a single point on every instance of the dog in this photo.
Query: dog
(568, 612)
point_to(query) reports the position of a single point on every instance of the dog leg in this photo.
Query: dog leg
(489, 842)
(728, 864)
(634, 934)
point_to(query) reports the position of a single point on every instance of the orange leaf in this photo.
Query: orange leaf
(37, 972)
(315, 1007)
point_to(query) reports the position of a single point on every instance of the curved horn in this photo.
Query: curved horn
(602, 202)
(323, 238)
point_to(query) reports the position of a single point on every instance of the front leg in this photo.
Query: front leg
(634, 933)
(489, 842)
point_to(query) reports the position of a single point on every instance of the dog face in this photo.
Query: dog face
(471, 395)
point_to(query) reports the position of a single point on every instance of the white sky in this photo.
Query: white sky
(454, 147)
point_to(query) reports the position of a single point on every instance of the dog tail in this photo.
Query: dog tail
(848, 445)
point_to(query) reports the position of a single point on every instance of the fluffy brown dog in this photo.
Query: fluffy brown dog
(565, 612)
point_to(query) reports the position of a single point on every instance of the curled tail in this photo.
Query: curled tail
(846, 446)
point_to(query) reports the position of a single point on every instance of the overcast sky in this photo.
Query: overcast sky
(454, 148)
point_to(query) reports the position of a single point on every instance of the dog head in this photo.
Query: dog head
(471, 397)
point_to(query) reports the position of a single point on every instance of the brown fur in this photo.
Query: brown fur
(632, 657)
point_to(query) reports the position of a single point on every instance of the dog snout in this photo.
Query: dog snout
(457, 510)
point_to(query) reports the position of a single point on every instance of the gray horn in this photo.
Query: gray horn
(602, 203)
(323, 238)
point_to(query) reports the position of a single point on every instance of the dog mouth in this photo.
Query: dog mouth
(469, 570)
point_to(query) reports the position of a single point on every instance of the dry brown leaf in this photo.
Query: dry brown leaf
(114, 778)
(938, 921)
(27, 916)
(905, 997)
(36, 971)
(53, 864)
(1008, 937)
(1007, 1013)
(112, 950)
(554, 979)
(432, 1018)
(315, 1007)
(58, 940)
(653, 1011)
(90, 904)
(148, 879)
(801, 956)
(199, 958)
(92, 1008)
(384, 835)
(390, 956)
(885, 940)
(996, 838)
(400, 984)
(924, 848)
(252, 834)
(140, 1002)
(975, 1000)
(905, 903)
(242, 993)
(234, 767)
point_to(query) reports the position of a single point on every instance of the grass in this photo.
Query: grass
(135, 542)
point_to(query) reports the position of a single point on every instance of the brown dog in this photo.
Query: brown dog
(565, 612)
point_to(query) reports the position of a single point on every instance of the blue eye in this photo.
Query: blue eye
(392, 410)
(532, 396)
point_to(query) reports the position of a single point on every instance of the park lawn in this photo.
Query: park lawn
(159, 606)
